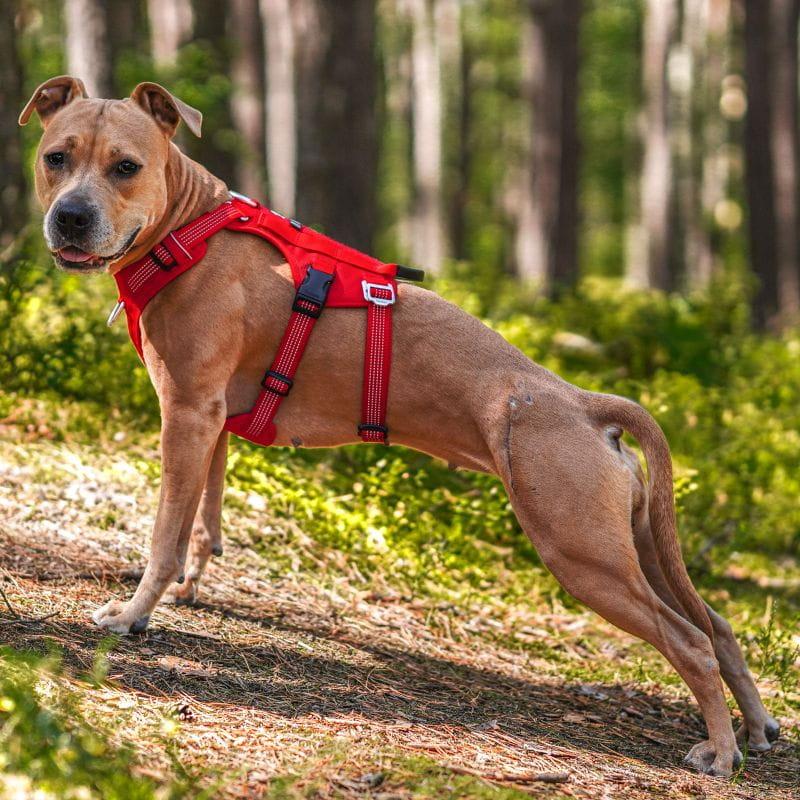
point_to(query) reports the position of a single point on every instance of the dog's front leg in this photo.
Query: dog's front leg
(188, 438)
(206, 538)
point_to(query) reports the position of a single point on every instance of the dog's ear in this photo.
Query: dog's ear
(51, 97)
(166, 109)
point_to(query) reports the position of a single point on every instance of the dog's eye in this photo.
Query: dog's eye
(127, 167)
(54, 159)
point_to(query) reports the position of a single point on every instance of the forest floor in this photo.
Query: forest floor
(323, 683)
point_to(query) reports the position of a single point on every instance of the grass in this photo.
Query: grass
(376, 613)
(317, 659)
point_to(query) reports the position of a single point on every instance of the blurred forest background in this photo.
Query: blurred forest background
(548, 141)
(611, 184)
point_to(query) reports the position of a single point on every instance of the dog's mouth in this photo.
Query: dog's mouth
(74, 259)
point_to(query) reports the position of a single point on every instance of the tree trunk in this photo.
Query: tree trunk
(212, 150)
(280, 106)
(688, 65)
(547, 224)
(247, 72)
(170, 27)
(771, 155)
(758, 159)
(126, 26)
(337, 131)
(458, 220)
(87, 50)
(13, 199)
(783, 143)
(427, 245)
(715, 161)
(648, 265)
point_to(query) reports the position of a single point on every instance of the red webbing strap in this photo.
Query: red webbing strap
(377, 363)
(277, 383)
(175, 248)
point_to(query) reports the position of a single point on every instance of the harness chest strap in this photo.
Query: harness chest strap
(318, 263)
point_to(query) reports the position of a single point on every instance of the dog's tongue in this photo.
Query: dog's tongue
(74, 254)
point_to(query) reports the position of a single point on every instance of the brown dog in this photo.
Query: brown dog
(113, 184)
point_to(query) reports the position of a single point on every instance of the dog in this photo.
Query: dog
(112, 184)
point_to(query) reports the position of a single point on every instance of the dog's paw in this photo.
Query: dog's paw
(116, 617)
(182, 594)
(704, 758)
(760, 734)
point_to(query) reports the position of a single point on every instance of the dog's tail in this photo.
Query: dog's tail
(610, 409)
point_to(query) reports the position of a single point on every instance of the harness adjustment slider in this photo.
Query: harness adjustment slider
(373, 428)
(371, 293)
(284, 379)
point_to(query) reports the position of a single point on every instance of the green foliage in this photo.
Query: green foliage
(729, 402)
(47, 746)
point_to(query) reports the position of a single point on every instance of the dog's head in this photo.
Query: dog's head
(101, 168)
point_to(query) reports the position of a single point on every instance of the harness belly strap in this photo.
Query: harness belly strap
(326, 274)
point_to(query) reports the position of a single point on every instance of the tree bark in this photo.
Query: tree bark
(546, 236)
(427, 245)
(771, 156)
(212, 150)
(785, 148)
(170, 27)
(648, 264)
(337, 131)
(247, 110)
(87, 51)
(688, 63)
(13, 198)
(280, 106)
(715, 161)
(458, 219)
(758, 159)
(127, 30)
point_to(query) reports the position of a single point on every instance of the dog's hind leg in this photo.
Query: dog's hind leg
(572, 494)
(206, 538)
(759, 728)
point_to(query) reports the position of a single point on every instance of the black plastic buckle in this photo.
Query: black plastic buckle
(313, 290)
(278, 377)
(409, 273)
(372, 427)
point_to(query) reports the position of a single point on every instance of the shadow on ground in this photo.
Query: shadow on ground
(260, 654)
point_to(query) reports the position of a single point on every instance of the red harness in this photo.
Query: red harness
(325, 272)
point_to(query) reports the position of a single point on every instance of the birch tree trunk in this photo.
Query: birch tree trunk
(427, 245)
(170, 26)
(546, 235)
(648, 261)
(87, 51)
(280, 107)
(247, 110)
(337, 131)
(13, 199)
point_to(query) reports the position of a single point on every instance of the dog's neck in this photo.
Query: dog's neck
(192, 190)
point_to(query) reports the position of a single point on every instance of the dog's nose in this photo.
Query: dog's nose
(74, 218)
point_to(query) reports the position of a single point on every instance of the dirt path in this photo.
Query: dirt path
(352, 691)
